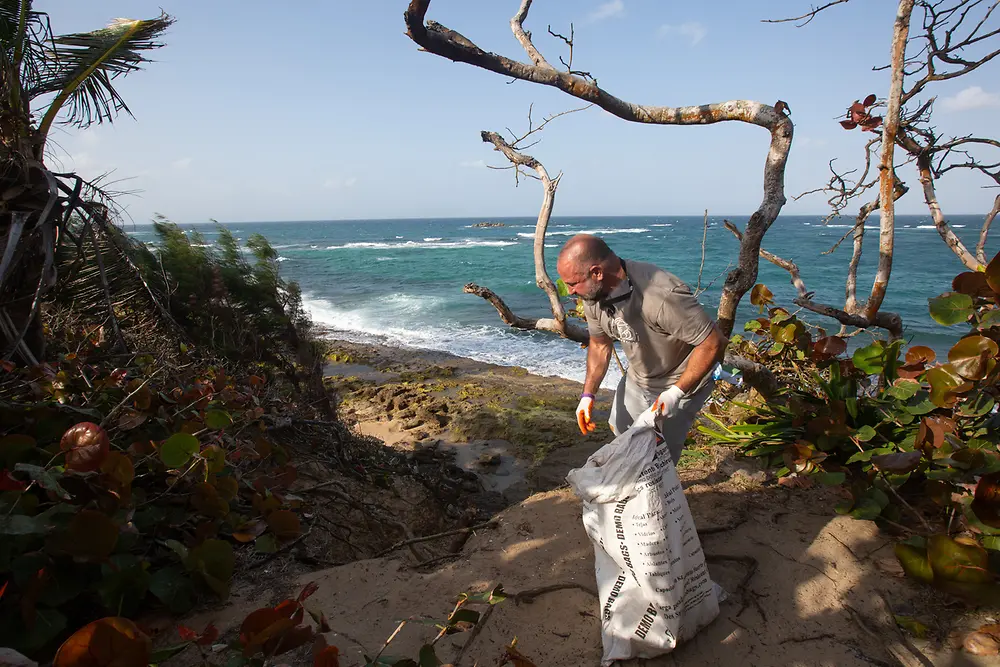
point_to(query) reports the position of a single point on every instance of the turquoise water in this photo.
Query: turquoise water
(400, 281)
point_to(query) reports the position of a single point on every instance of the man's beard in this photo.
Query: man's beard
(598, 294)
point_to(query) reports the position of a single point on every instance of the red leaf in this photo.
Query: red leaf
(186, 633)
(329, 656)
(870, 100)
(857, 109)
(86, 445)
(848, 124)
(291, 609)
(3, 589)
(8, 483)
(210, 634)
(307, 592)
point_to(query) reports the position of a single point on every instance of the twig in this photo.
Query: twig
(386, 644)
(805, 18)
(125, 400)
(322, 485)
(492, 523)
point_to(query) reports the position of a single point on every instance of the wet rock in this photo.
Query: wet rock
(489, 461)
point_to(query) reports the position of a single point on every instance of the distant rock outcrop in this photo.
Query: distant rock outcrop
(489, 224)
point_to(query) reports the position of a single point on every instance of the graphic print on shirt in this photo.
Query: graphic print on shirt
(622, 330)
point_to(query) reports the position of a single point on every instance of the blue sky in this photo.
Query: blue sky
(256, 111)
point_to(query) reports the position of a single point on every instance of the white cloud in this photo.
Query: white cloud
(608, 10)
(351, 182)
(693, 31)
(971, 98)
(182, 163)
(473, 164)
(810, 142)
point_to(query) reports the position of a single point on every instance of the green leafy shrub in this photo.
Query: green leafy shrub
(236, 304)
(913, 440)
(126, 487)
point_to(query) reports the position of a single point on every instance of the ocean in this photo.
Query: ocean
(399, 282)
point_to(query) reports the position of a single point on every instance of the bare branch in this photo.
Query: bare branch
(572, 332)
(891, 322)
(943, 228)
(439, 40)
(524, 37)
(851, 285)
(787, 265)
(805, 18)
(985, 232)
(887, 177)
(549, 186)
(569, 43)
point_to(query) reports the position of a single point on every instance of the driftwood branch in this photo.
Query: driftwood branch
(572, 332)
(439, 40)
(985, 231)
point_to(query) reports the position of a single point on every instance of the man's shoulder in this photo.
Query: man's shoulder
(645, 276)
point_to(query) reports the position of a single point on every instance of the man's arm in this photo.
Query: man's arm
(598, 358)
(701, 362)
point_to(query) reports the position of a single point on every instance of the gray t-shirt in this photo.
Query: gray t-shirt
(658, 324)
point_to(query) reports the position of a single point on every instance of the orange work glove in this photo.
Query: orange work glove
(583, 418)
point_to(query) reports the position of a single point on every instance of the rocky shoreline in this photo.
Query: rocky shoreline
(515, 431)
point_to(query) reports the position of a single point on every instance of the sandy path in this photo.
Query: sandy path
(806, 586)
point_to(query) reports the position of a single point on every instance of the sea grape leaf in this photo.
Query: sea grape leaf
(178, 449)
(951, 308)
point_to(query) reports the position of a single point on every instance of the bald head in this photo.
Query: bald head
(586, 249)
(587, 266)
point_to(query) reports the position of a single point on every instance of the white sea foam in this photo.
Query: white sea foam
(385, 245)
(662, 224)
(282, 259)
(413, 321)
(600, 232)
(926, 227)
(430, 238)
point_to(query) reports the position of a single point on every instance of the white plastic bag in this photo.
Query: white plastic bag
(652, 581)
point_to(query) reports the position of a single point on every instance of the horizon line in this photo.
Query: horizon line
(515, 217)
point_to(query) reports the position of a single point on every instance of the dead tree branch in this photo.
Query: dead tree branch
(787, 265)
(943, 228)
(807, 17)
(549, 185)
(574, 333)
(439, 40)
(887, 176)
(985, 232)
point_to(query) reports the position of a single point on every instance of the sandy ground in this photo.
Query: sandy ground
(806, 586)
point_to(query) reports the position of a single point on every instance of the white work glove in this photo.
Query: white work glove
(583, 419)
(666, 403)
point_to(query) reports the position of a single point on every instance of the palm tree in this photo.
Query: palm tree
(49, 79)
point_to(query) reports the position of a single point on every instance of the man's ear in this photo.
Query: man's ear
(597, 271)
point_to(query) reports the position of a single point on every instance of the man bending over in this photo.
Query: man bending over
(671, 343)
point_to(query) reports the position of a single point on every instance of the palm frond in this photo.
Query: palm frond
(23, 35)
(81, 67)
